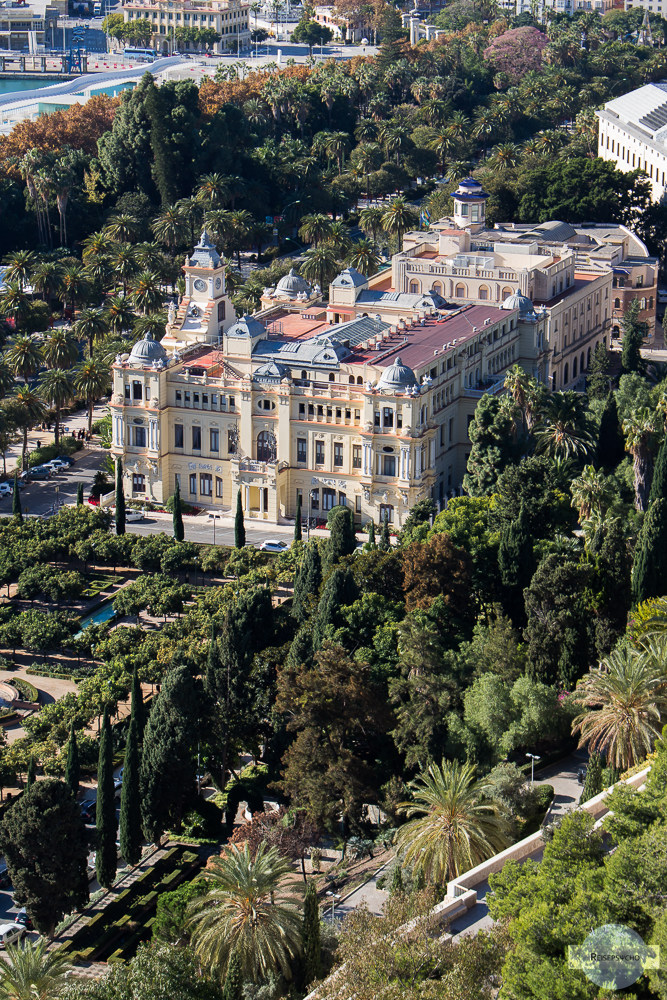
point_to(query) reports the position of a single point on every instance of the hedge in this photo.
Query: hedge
(27, 690)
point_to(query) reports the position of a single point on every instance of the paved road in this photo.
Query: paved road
(50, 689)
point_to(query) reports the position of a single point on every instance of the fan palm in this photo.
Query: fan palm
(57, 387)
(398, 217)
(29, 410)
(364, 256)
(90, 325)
(455, 829)
(640, 429)
(562, 433)
(75, 286)
(626, 699)
(24, 357)
(6, 377)
(523, 390)
(592, 494)
(249, 911)
(28, 971)
(60, 349)
(91, 380)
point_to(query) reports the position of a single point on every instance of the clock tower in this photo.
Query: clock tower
(205, 312)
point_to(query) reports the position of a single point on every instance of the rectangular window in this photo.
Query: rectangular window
(356, 456)
(388, 465)
(337, 455)
(137, 390)
(139, 435)
(215, 439)
(302, 409)
(399, 420)
(388, 416)
(196, 398)
(178, 435)
(221, 311)
(196, 438)
(231, 442)
(204, 399)
(148, 392)
(214, 400)
(357, 505)
(231, 403)
(179, 396)
(315, 499)
(218, 488)
(127, 390)
(319, 453)
(301, 450)
(187, 399)
(193, 484)
(328, 498)
(451, 430)
(206, 484)
(138, 484)
(376, 418)
(386, 513)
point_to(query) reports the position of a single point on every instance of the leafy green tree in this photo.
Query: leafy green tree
(633, 333)
(536, 484)
(339, 590)
(611, 444)
(31, 773)
(120, 499)
(17, 510)
(650, 564)
(307, 581)
(131, 836)
(43, 838)
(342, 539)
(371, 534)
(593, 782)
(72, 768)
(239, 526)
(167, 763)
(658, 489)
(179, 530)
(598, 381)
(297, 520)
(105, 815)
(493, 446)
(311, 33)
(396, 884)
(233, 988)
(384, 544)
(310, 936)
(392, 36)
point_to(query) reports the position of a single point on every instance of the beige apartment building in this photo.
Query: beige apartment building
(229, 18)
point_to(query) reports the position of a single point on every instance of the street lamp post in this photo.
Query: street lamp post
(533, 758)
(334, 896)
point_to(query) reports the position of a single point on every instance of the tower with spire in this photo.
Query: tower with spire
(644, 34)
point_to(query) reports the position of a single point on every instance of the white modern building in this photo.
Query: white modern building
(633, 134)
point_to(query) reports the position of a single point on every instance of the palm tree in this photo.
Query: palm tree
(639, 429)
(315, 228)
(248, 911)
(456, 828)
(364, 256)
(24, 357)
(339, 238)
(123, 227)
(146, 292)
(28, 411)
(319, 264)
(14, 303)
(398, 217)
(60, 349)
(90, 325)
(75, 286)
(120, 314)
(151, 323)
(57, 387)
(370, 220)
(20, 265)
(91, 380)
(625, 698)
(47, 278)
(97, 245)
(123, 262)
(6, 377)
(171, 226)
(29, 971)
(592, 494)
(523, 390)
(562, 433)
(213, 189)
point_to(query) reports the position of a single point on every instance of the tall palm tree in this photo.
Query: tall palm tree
(57, 387)
(28, 971)
(364, 256)
(20, 265)
(123, 227)
(562, 433)
(14, 303)
(370, 220)
(213, 189)
(339, 238)
(146, 292)
(319, 264)
(315, 228)
(171, 226)
(523, 390)
(592, 494)
(97, 245)
(6, 377)
(456, 828)
(60, 349)
(640, 429)
(626, 700)
(91, 324)
(249, 911)
(91, 380)
(24, 357)
(29, 410)
(397, 217)
(75, 286)
(47, 278)
(119, 313)
(122, 259)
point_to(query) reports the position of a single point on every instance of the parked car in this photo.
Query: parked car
(57, 464)
(117, 787)
(5, 878)
(134, 515)
(273, 545)
(67, 459)
(23, 918)
(6, 490)
(39, 472)
(88, 810)
(11, 933)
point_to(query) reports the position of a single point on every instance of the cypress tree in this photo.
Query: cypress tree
(593, 782)
(385, 541)
(633, 336)
(239, 527)
(418, 880)
(310, 936)
(611, 444)
(516, 564)
(301, 648)
(339, 591)
(177, 518)
(120, 499)
(371, 534)
(342, 540)
(31, 773)
(233, 987)
(297, 520)
(597, 380)
(79, 495)
(105, 859)
(396, 880)
(17, 510)
(308, 580)
(137, 710)
(649, 570)
(131, 835)
(72, 769)
(658, 489)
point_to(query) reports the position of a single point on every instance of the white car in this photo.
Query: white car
(57, 464)
(134, 515)
(6, 490)
(11, 933)
(273, 545)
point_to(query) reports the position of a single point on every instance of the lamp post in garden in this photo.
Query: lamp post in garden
(533, 758)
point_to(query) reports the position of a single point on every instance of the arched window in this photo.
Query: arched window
(617, 303)
(483, 292)
(574, 368)
(266, 447)
(460, 291)
(642, 303)
(332, 377)
(588, 358)
(437, 288)
(554, 381)
(351, 379)
(304, 375)
(581, 363)
(414, 287)
(360, 380)
(566, 375)
(506, 291)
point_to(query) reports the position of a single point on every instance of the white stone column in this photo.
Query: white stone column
(418, 463)
(368, 457)
(405, 463)
(431, 463)
(118, 430)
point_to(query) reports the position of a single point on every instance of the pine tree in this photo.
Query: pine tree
(659, 483)
(633, 336)
(342, 539)
(105, 859)
(597, 380)
(233, 987)
(611, 443)
(72, 769)
(131, 835)
(308, 581)
(79, 495)
(371, 534)
(31, 773)
(310, 936)
(396, 880)
(17, 510)
(392, 37)
(517, 565)
(179, 530)
(339, 591)
(385, 540)
(297, 519)
(593, 782)
(137, 710)
(239, 527)
(120, 499)
(650, 565)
